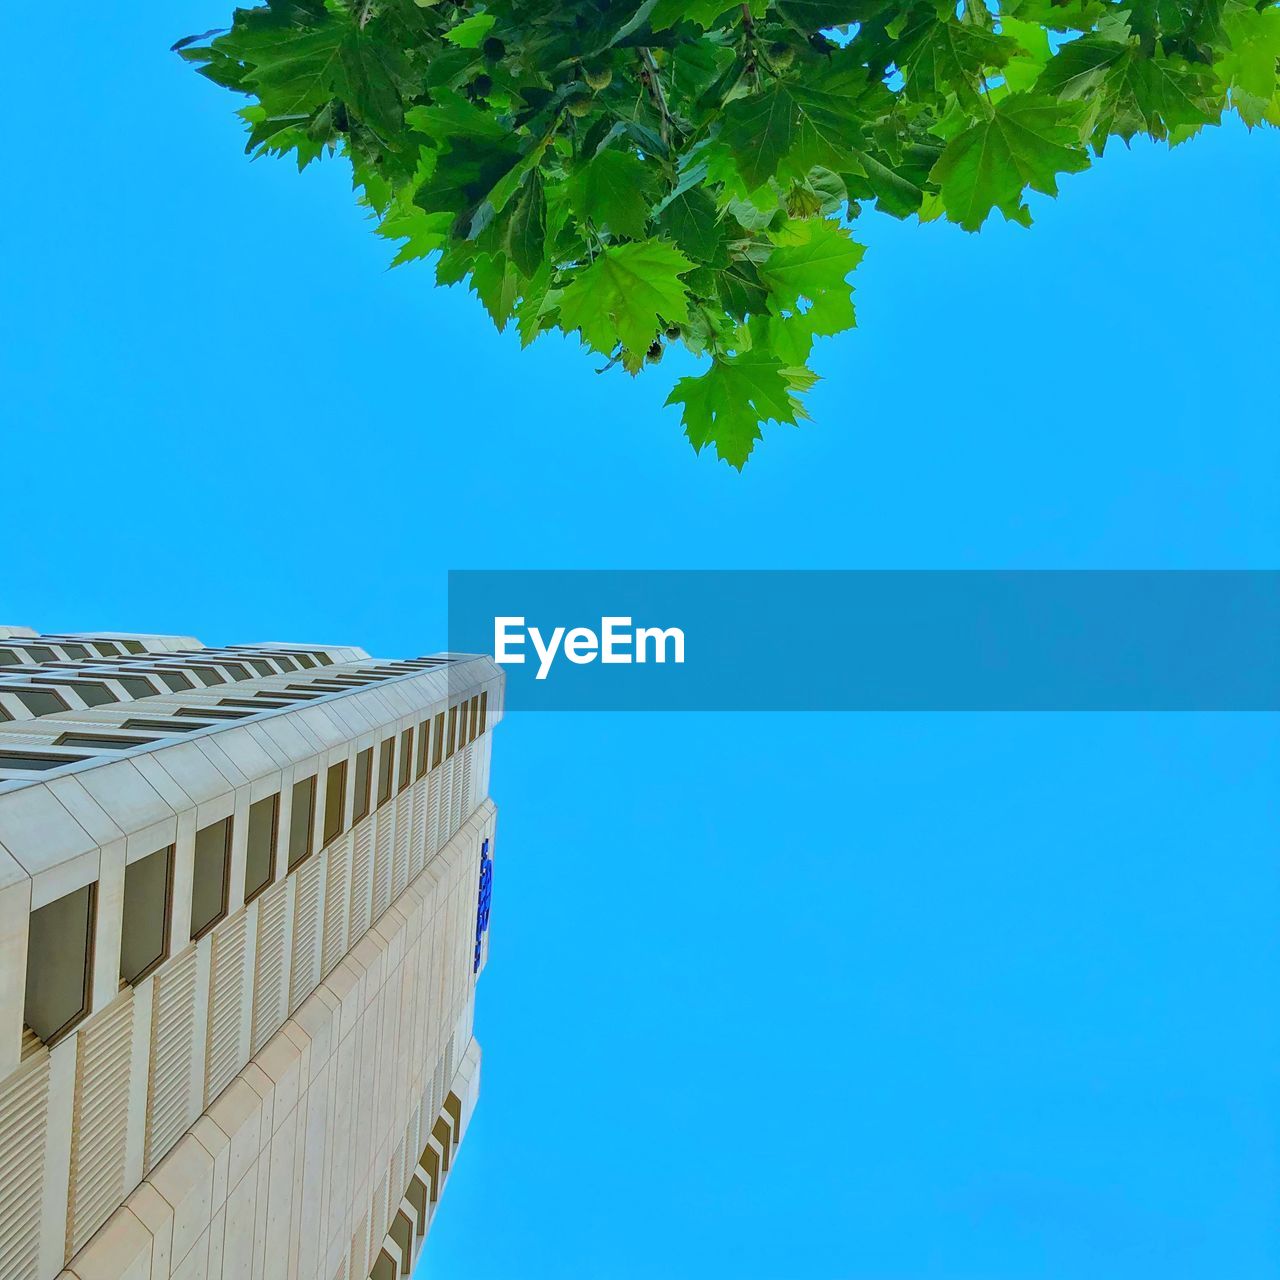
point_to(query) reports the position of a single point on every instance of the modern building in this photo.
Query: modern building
(244, 899)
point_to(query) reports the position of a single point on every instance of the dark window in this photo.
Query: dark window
(60, 963)
(168, 726)
(260, 862)
(304, 660)
(134, 646)
(106, 648)
(475, 718)
(237, 671)
(8, 657)
(103, 741)
(406, 758)
(41, 653)
(136, 686)
(335, 801)
(437, 751)
(29, 760)
(324, 660)
(40, 702)
(208, 675)
(364, 784)
(384, 770)
(424, 747)
(302, 821)
(209, 882)
(144, 934)
(212, 713)
(77, 651)
(453, 730)
(463, 710)
(262, 668)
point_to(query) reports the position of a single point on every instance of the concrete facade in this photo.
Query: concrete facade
(243, 909)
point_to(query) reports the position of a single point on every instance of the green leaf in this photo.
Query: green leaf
(1026, 142)
(666, 13)
(470, 33)
(812, 259)
(693, 222)
(626, 295)
(613, 191)
(527, 229)
(726, 405)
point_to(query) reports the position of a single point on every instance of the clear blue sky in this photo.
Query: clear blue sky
(834, 997)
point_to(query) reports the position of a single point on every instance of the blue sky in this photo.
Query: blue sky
(841, 997)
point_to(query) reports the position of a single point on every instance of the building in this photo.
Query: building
(243, 907)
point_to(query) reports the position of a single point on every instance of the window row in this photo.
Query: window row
(60, 941)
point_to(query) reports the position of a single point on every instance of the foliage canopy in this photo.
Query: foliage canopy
(684, 171)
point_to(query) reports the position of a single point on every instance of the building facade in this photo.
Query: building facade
(244, 899)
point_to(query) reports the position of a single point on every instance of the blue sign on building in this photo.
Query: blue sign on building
(486, 893)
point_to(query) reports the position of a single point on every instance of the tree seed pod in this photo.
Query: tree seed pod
(579, 105)
(781, 54)
(598, 77)
(654, 354)
(493, 49)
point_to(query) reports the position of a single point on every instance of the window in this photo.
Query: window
(304, 660)
(102, 741)
(335, 801)
(106, 648)
(40, 702)
(208, 675)
(437, 751)
(40, 653)
(406, 758)
(92, 695)
(134, 646)
(260, 860)
(167, 726)
(453, 729)
(144, 934)
(176, 680)
(475, 717)
(30, 760)
(77, 651)
(364, 784)
(8, 658)
(384, 770)
(136, 686)
(302, 821)
(424, 747)
(464, 712)
(209, 881)
(60, 963)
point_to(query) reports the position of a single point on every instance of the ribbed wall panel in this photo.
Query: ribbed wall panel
(169, 1100)
(224, 1055)
(431, 827)
(361, 870)
(382, 860)
(446, 787)
(455, 812)
(336, 905)
(100, 1120)
(269, 965)
(400, 861)
(24, 1101)
(304, 972)
(417, 832)
(360, 1248)
(468, 800)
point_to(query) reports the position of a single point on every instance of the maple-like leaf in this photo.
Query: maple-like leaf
(626, 294)
(726, 405)
(1027, 140)
(612, 191)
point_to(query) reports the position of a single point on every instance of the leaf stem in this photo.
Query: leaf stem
(659, 97)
